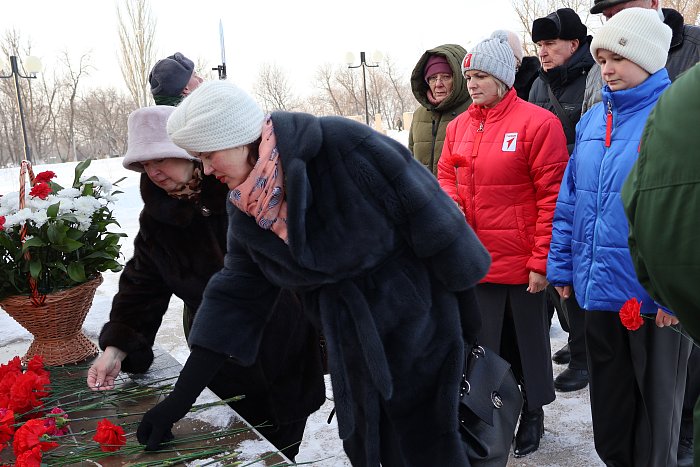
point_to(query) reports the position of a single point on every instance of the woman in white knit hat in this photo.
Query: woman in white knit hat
(637, 377)
(502, 163)
(380, 257)
(180, 244)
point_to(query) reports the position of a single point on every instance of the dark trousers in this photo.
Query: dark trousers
(637, 382)
(574, 316)
(692, 393)
(515, 324)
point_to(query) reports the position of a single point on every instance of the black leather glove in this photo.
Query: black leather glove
(156, 426)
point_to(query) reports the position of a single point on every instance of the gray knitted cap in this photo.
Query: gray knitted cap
(493, 56)
(170, 75)
(217, 115)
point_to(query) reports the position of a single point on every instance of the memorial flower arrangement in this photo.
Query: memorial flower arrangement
(49, 417)
(61, 237)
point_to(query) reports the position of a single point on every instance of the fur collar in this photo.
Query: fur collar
(171, 211)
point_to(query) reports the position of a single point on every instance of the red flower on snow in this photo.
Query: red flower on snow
(44, 177)
(110, 436)
(630, 314)
(40, 190)
(33, 433)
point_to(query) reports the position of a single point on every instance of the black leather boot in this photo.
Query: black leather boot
(530, 430)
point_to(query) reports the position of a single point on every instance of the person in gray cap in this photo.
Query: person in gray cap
(173, 78)
(563, 49)
(502, 163)
(683, 53)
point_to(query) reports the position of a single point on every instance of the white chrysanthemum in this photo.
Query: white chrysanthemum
(84, 222)
(18, 217)
(110, 198)
(67, 205)
(38, 204)
(68, 193)
(97, 182)
(86, 205)
(39, 218)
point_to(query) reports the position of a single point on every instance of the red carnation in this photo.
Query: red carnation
(110, 436)
(36, 365)
(29, 458)
(7, 420)
(630, 314)
(44, 177)
(26, 392)
(40, 190)
(2, 223)
(30, 435)
(57, 422)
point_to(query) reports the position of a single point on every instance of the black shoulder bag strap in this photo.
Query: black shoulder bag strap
(569, 128)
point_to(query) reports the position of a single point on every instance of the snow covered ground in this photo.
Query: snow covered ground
(568, 439)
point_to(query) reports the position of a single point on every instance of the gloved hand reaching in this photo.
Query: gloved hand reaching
(156, 426)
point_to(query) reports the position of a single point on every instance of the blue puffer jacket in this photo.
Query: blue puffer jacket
(589, 234)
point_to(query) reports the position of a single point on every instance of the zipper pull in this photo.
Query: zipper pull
(481, 126)
(608, 125)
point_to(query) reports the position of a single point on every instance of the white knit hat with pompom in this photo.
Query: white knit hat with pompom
(217, 115)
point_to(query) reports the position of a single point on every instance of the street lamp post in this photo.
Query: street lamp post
(350, 59)
(33, 65)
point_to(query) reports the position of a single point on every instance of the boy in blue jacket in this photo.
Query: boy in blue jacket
(637, 378)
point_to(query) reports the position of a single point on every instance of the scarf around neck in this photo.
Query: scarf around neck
(262, 194)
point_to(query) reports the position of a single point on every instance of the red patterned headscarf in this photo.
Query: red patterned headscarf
(262, 195)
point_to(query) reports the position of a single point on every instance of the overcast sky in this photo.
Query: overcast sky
(297, 36)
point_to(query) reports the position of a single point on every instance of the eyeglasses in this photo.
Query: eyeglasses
(443, 77)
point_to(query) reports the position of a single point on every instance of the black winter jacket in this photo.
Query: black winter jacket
(568, 83)
(525, 76)
(385, 264)
(179, 246)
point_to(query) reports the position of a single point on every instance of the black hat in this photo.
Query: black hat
(600, 5)
(170, 75)
(562, 24)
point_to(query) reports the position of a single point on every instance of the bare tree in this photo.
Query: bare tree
(136, 55)
(70, 83)
(272, 88)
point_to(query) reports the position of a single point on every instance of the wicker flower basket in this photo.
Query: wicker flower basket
(57, 324)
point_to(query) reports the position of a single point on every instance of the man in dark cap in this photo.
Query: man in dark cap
(173, 78)
(563, 49)
(683, 53)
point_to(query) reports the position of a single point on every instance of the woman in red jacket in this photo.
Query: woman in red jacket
(502, 162)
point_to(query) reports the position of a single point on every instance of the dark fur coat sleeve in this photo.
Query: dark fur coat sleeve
(137, 310)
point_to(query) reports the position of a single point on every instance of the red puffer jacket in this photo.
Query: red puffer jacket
(503, 167)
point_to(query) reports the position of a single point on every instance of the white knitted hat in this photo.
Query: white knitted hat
(493, 56)
(217, 115)
(147, 138)
(639, 35)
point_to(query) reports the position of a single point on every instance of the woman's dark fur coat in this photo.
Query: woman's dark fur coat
(385, 264)
(179, 246)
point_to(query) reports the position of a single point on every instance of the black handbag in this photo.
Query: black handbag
(490, 403)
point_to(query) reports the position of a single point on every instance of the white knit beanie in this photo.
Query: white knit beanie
(217, 115)
(639, 35)
(493, 56)
(147, 138)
